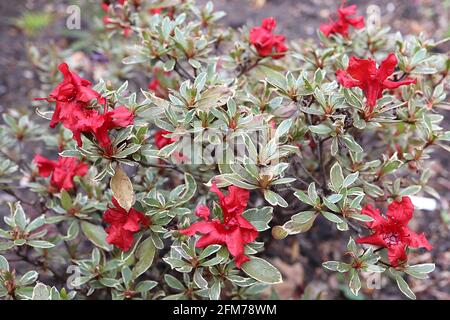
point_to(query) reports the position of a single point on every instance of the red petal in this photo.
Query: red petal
(345, 79)
(401, 211)
(202, 212)
(269, 24)
(203, 227)
(375, 214)
(235, 245)
(387, 67)
(357, 22)
(374, 239)
(216, 191)
(45, 166)
(132, 221)
(415, 240)
(119, 237)
(388, 84)
(397, 254)
(115, 216)
(362, 69)
(326, 29)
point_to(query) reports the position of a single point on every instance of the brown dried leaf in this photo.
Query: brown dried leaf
(122, 188)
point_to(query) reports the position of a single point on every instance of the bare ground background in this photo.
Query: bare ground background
(299, 258)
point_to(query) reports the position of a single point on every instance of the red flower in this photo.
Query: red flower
(267, 43)
(234, 231)
(392, 231)
(62, 171)
(123, 225)
(71, 96)
(160, 140)
(344, 21)
(372, 80)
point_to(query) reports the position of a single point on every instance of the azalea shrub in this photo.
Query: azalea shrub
(194, 145)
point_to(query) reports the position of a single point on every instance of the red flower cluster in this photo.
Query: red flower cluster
(123, 225)
(344, 21)
(267, 43)
(62, 171)
(392, 231)
(234, 231)
(72, 97)
(160, 140)
(372, 80)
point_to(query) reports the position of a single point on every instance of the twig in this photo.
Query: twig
(183, 72)
(247, 68)
(322, 167)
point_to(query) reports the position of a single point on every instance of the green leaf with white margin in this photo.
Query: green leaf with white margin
(146, 285)
(303, 197)
(350, 179)
(259, 217)
(20, 218)
(332, 217)
(337, 178)
(66, 200)
(36, 223)
(320, 129)
(40, 244)
(199, 280)
(145, 254)
(173, 282)
(4, 265)
(304, 216)
(355, 282)
(352, 144)
(96, 234)
(214, 291)
(420, 271)
(262, 271)
(336, 266)
(190, 188)
(411, 190)
(404, 287)
(40, 292)
(28, 278)
(283, 128)
(274, 198)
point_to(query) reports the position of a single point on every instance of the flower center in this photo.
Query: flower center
(391, 239)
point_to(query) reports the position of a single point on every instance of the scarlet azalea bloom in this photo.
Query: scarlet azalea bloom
(392, 231)
(234, 231)
(123, 225)
(364, 74)
(344, 21)
(62, 171)
(71, 96)
(160, 140)
(267, 43)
